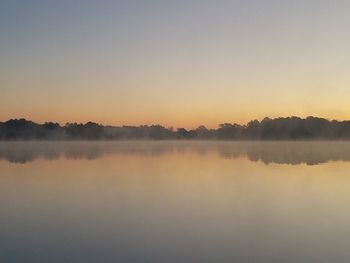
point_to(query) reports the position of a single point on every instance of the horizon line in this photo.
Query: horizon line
(173, 127)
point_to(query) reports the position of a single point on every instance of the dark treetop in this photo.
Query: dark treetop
(291, 128)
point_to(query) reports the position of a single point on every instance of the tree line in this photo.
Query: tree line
(289, 128)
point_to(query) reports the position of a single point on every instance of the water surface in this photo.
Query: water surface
(174, 201)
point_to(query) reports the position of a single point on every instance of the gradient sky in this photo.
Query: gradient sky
(176, 63)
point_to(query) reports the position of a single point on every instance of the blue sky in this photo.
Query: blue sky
(181, 63)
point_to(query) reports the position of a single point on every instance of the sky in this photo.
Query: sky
(175, 63)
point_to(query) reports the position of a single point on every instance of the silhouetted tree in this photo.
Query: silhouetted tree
(290, 128)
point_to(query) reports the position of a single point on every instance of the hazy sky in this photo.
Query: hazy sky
(178, 63)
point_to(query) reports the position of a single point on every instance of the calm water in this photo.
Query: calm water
(175, 202)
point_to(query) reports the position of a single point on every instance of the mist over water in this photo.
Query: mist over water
(145, 201)
(293, 152)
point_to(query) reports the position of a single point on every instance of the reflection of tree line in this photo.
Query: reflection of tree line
(22, 152)
(310, 153)
(291, 128)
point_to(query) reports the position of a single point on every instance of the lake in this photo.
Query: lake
(174, 201)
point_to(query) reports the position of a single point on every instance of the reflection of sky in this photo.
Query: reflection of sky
(180, 63)
(173, 206)
(310, 153)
